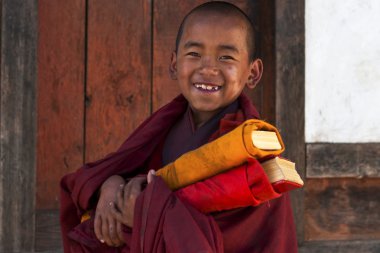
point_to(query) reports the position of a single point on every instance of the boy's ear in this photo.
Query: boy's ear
(256, 73)
(173, 66)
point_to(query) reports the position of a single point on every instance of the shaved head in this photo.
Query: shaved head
(222, 9)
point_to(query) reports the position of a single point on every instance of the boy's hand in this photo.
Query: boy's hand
(107, 228)
(123, 209)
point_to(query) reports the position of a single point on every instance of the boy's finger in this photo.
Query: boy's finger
(139, 184)
(135, 190)
(105, 232)
(127, 194)
(151, 175)
(98, 228)
(119, 197)
(119, 231)
(116, 214)
(112, 232)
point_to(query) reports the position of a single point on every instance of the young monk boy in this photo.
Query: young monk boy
(212, 64)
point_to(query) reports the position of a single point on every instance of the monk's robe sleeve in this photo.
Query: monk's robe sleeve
(229, 151)
(246, 185)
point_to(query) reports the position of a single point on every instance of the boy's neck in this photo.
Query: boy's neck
(200, 118)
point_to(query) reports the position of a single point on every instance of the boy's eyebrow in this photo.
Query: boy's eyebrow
(220, 47)
(193, 44)
(229, 47)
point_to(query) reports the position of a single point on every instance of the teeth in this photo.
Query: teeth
(206, 87)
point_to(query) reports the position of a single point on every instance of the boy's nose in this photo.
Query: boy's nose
(209, 66)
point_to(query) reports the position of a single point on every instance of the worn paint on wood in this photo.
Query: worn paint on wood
(18, 124)
(60, 95)
(61, 59)
(118, 88)
(342, 209)
(343, 160)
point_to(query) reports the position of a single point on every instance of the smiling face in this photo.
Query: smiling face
(212, 65)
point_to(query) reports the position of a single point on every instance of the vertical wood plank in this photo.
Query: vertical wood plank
(18, 124)
(290, 105)
(61, 30)
(61, 59)
(118, 72)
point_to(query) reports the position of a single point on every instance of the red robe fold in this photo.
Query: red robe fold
(266, 228)
(161, 224)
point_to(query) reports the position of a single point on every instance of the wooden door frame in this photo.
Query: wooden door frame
(18, 124)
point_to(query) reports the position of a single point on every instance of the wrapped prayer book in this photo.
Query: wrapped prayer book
(282, 174)
(265, 140)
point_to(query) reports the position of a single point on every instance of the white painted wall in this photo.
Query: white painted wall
(342, 71)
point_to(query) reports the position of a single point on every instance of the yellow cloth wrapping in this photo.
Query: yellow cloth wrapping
(222, 154)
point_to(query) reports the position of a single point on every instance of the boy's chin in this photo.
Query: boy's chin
(206, 109)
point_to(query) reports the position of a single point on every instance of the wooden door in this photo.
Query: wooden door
(103, 68)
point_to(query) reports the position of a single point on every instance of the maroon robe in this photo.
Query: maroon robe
(266, 228)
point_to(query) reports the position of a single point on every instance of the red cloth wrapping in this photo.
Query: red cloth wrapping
(246, 185)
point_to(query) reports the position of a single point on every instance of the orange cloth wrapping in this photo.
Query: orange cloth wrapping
(222, 154)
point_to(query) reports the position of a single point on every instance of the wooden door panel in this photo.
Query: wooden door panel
(60, 117)
(118, 81)
(60, 95)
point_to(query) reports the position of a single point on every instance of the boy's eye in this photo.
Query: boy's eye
(226, 57)
(194, 54)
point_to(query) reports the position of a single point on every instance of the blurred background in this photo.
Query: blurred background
(78, 76)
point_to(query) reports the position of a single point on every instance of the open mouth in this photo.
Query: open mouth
(207, 87)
